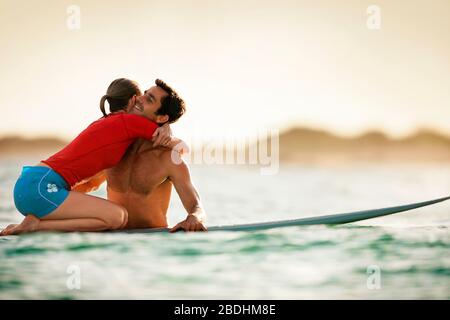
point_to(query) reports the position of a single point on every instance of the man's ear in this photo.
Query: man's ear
(162, 118)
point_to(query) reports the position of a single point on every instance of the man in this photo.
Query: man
(143, 180)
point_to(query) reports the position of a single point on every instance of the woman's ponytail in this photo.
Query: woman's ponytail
(119, 93)
(102, 104)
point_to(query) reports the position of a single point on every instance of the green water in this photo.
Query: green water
(409, 251)
(311, 262)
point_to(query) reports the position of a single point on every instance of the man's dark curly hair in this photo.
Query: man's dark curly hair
(172, 104)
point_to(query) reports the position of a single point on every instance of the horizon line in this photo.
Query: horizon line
(286, 129)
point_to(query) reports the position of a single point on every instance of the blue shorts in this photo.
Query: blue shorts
(39, 191)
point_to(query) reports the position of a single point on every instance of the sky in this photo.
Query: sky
(241, 66)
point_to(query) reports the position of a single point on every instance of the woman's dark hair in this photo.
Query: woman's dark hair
(119, 92)
(172, 104)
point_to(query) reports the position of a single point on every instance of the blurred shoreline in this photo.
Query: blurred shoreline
(17, 146)
(299, 145)
(303, 145)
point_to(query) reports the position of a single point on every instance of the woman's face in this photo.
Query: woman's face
(148, 104)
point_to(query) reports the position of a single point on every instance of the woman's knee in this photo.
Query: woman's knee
(118, 218)
(125, 222)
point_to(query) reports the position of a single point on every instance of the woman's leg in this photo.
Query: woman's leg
(78, 212)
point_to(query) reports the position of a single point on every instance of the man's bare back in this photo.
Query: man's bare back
(142, 183)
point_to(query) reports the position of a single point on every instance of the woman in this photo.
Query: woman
(44, 192)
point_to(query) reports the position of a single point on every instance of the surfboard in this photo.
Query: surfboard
(326, 219)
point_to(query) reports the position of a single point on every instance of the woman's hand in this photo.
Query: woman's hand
(90, 184)
(162, 136)
(85, 187)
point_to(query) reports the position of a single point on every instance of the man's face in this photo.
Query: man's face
(149, 103)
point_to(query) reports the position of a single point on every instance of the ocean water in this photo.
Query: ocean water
(404, 256)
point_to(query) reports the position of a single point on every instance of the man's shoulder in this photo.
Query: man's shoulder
(145, 149)
(165, 156)
(169, 156)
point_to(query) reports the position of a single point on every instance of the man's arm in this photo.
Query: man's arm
(181, 179)
(90, 184)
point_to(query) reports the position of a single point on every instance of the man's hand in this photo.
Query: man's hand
(192, 223)
(162, 136)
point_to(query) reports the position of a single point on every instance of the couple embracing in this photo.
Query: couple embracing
(131, 148)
